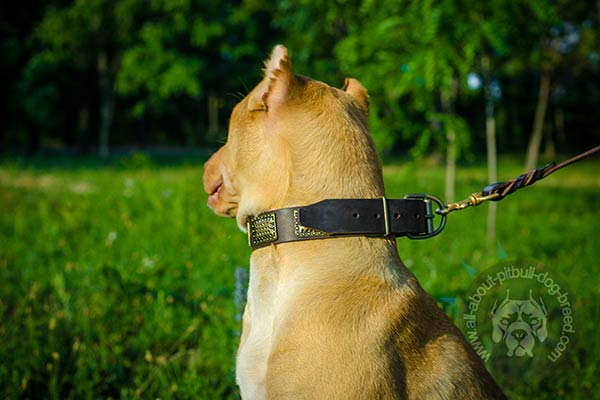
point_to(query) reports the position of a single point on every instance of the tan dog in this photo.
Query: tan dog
(337, 318)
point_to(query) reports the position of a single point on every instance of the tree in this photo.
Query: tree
(87, 35)
(546, 59)
(552, 42)
(161, 71)
(162, 62)
(491, 150)
(159, 61)
(409, 54)
(493, 20)
(20, 119)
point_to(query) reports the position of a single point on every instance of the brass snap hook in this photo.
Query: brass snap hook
(473, 200)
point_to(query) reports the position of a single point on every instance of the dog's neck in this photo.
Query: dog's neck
(348, 256)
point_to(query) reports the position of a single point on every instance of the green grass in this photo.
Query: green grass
(118, 282)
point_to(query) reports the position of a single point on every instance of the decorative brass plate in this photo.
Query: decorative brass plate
(303, 231)
(262, 229)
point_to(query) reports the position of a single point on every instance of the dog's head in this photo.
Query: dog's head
(518, 323)
(293, 141)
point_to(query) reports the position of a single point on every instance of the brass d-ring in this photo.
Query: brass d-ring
(429, 215)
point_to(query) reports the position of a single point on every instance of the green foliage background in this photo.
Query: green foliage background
(118, 281)
(84, 74)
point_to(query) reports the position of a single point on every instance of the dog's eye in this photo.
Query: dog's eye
(505, 321)
(529, 318)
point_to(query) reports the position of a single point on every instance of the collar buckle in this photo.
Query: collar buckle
(429, 215)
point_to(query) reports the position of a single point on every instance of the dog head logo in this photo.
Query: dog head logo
(519, 323)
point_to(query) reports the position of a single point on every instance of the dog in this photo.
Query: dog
(334, 318)
(519, 323)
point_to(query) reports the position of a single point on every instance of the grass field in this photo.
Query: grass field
(118, 281)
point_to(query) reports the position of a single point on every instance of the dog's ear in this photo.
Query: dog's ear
(358, 91)
(275, 88)
(542, 331)
(542, 306)
(495, 307)
(496, 331)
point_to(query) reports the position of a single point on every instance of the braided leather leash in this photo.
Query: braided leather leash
(498, 191)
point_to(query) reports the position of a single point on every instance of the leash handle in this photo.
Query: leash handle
(498, 191)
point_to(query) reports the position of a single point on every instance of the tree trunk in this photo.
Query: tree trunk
(106, 104)
(450, 164)
(492, 177)
(533, 150)
(559, 126)
(83, 128)
(33, 139)
(549, 143)
(490, 135)
(447, 107)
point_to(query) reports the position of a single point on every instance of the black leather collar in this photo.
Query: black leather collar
(411, 216)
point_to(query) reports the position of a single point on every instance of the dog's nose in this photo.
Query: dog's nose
(519, 334)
